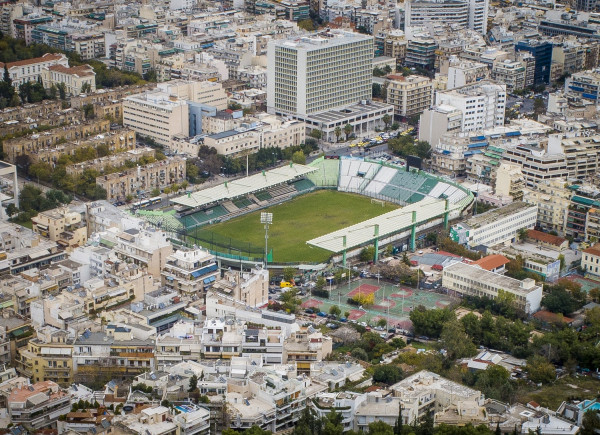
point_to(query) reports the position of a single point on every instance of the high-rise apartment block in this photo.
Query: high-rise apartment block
(320, 72)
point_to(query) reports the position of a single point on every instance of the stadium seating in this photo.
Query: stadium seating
(242, 203)
(263, 196)
(303, 185)
(204, 216)
(356, 174)
(327, 174)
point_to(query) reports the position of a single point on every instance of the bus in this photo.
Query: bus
(155, 200)
(141, 204)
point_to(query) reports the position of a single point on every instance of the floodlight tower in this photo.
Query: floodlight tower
(266, 219)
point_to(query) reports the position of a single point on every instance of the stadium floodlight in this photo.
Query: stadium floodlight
(266, 219)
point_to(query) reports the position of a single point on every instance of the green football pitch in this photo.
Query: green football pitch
(301, 219)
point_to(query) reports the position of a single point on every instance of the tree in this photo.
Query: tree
(560, 300)
(539, 106)
(359, 353)
(348, 130)
(380, 428)
(290, 300)
(288, 273)
(88, 111)
(386, 120)
(299, 158)
(62, 90)
(86, 87)
(316, 133)
(456, 341)
(320, 284)
(591, 423)
(367, 254)
(539, 370)
(193, 383)
(11, 209)
(364, 299)
(429, 322)
(423, 149)
(382, 322)
(522, 234)
(395, 126)
(155, 192)
(307, 25)
(387, 374)
(335, 310)
(399, 422)
(338, 133)
(376, 90)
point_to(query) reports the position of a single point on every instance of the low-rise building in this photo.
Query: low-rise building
(409, 95)
(76, 79)
(190, 272)
(250, 288)
(158, 175)
(62, 225)
(37, 406)
(305, 347)
(466, 280)
(31, 70)
(590, 260)
(495, 226)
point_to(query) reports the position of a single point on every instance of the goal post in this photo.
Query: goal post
(378, 201)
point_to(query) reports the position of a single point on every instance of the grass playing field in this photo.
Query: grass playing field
(302, 219)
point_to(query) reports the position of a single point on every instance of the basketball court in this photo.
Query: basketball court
(392, 302)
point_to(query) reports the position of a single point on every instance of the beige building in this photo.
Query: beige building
(74, 78)
(30, 70)
(510, 72)
(509, 181)
(156, 115)
(250, 288)
(190, 272)
(590, 260)
(204, 92)
(33, 143)
(394, 45)
(304, 348)
(409, 95)
(156, 175)
(553, 199)
(277, 132)
(113, 161)
(467, 280)
(234, 142)
(61, 225)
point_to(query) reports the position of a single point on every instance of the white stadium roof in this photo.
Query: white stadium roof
(389, 223)
(243, 186)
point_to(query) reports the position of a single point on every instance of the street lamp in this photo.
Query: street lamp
(266, 219)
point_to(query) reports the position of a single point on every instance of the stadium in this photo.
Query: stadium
(329, 209)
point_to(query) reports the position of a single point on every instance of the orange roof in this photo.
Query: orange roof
(45, 58)
(491, 262)
(594, 250)
(81, 70)
(548, 317)
(545, 237)
(24, 393)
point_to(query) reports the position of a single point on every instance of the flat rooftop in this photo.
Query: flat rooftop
(494, 215)
(348, 112)
(480, 275)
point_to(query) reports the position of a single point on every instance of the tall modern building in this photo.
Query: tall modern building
(542, 52)
(318, 73)
(470, 14)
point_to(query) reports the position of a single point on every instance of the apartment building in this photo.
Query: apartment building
(318, 73)
(305, 347)
(250, 288)
(38, 406)
(23, 27)
(482, 104)
(74, 78)
(31, 70)
(395, 45)
(221, 338)
(509, 181)
(495, 226)
(552, 198)
(510, 72)
(542, 53)
(582, 155)
(467, 280)
(590, 261)
(461, 72)
(115, 160)
(190, 272)
(439, 122)
(281, 133)
(156, 115)
(584, 198)
(592, 224)
(146, 248)
(32, 144)
(409, 95)
(61, 225)
(585, 84)
(48, 357)
(204, 92)
(111, 353)
(421, 52)
(157, 175)
(421, 13)
(235, 142)
(426, 392)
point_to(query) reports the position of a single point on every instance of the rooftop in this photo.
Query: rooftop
(479, 275)
(491, 262)
(493, 216)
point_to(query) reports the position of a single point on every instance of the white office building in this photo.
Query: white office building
(320, 72)
(470, 14)
(499, 226)
(482, 104)
(468, 280)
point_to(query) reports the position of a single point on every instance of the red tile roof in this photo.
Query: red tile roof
(548, 317)
(492, 262)
(545, 237)
(45, 58)
(81, 70)
(594, 250)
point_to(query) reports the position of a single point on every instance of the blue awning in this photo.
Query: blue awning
(209, 279)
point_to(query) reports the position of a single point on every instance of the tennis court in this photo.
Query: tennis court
(585, 283)
(392, 302)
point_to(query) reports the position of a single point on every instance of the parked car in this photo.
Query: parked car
(321, 314)
(309, 311)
